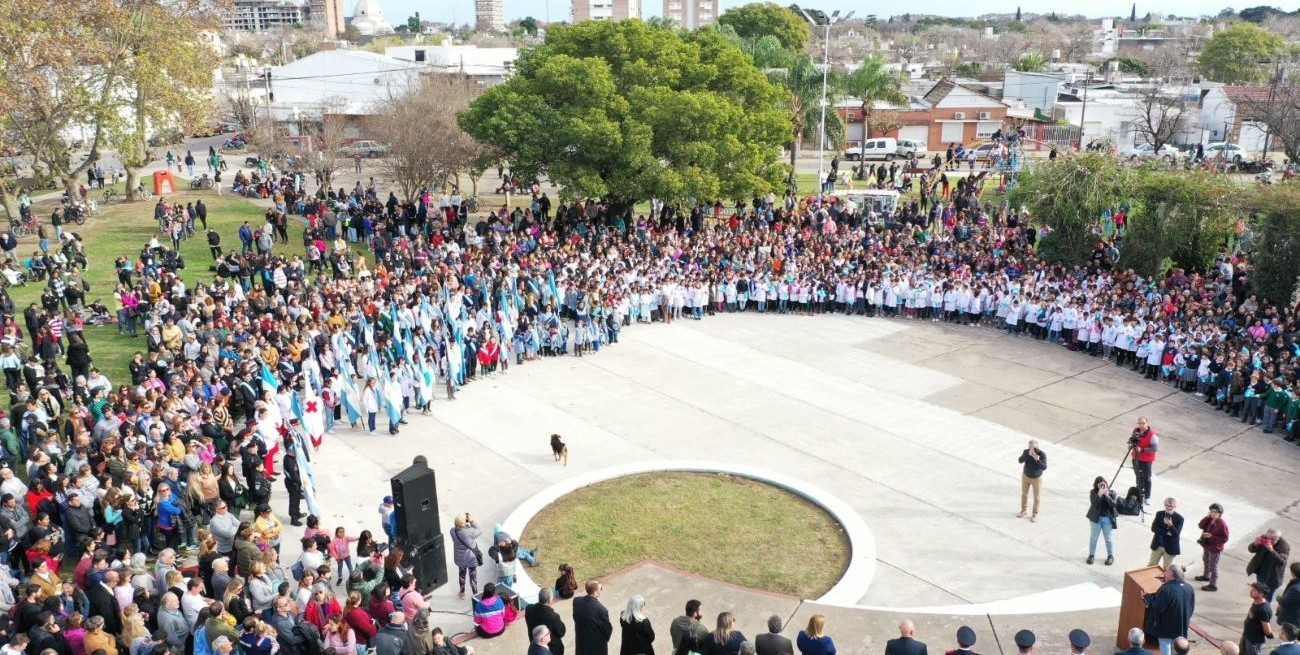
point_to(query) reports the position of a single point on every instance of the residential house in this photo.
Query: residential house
(1227, 116)
(959, 114)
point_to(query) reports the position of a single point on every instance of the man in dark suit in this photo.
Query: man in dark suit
(102, 603)
(1169, 610)
(773, 643)
(541, 613)
(591, 626)
(541, 640)
(906, 644)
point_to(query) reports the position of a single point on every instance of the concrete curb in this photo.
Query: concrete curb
(853, 584)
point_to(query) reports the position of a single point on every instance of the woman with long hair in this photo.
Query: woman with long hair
(358, 619)
(236, 601)
(1102, 517)
(567, 584)
(813, 640)
(725, 639)
(638, 634)
(340, 637)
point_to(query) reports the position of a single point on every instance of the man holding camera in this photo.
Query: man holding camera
(1031, 477)
(1268, 562)
(1143, 444)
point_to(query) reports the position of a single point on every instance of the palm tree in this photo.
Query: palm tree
(870, 83)
(801, 81)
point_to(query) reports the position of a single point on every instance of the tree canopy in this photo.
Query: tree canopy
(625, 111)
(759, 19)
(1239, 54)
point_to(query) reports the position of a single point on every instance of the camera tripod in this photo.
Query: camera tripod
(1128, 454)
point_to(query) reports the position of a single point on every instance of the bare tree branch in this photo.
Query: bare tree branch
(1158, 117)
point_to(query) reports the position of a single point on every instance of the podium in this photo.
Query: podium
(1132, 611)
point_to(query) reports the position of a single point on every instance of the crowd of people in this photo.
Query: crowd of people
(244, 374)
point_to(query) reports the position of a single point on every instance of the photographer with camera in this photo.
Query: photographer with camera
(1143, 444)
(1031, 477)
(1102, 518)
(1268, 564)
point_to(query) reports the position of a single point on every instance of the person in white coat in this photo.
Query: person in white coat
(371, 400)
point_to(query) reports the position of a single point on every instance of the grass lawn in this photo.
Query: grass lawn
(723, 527)
(123, 229)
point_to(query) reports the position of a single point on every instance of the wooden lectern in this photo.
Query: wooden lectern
(1132, 611)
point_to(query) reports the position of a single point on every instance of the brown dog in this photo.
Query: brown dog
(559, 450)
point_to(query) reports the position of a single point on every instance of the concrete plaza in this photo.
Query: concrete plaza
(916, 426)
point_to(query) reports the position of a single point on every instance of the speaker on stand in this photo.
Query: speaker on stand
(419, 531)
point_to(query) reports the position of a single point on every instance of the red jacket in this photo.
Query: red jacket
(1218, 531)
(361, 623)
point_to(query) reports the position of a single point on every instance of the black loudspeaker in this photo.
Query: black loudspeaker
(415, 501)
(429, 564)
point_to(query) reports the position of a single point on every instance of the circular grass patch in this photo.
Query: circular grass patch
(720, 526)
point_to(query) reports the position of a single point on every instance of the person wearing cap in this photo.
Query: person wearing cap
(387, 518)
(906, 643)
(1258, 625)
(1079, 642)
(1170, 609)
(1025, 641)
(293, 481)
(965, 639)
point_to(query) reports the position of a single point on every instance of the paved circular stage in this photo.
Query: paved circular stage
(915, 427)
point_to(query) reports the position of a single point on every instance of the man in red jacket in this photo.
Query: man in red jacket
(1144, 443)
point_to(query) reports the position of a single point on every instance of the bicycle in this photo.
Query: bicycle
(24, 228)
(111, 196)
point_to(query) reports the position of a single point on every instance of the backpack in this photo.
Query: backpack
(1130, 504)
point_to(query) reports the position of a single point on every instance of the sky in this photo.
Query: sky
(462, 11)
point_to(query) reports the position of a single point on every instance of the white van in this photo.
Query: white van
(882, 148)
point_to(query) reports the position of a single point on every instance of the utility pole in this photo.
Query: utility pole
(1083, 113)
(825, 21)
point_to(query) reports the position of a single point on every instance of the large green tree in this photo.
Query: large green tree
(1178, 218)
(163, 83)
(1239, 54)
(1277, 241)
(1068, 195)
(870, 83)
(625, 111)
(759, 19)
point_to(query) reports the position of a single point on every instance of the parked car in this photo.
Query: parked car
(885, 148)
(1147, 151)
(1229, 151)
(364, 148)
(984, 152)
(166, 137)
(909, 147)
